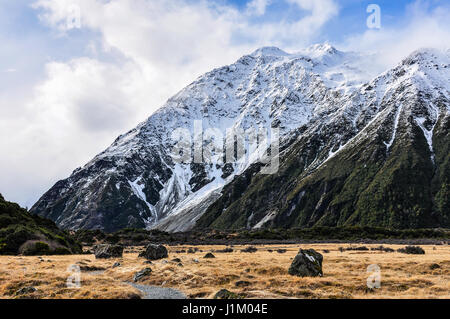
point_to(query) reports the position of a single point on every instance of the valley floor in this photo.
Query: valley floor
(262, 274)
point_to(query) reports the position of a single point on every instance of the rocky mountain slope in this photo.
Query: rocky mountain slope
(356, 148)
(381, 158)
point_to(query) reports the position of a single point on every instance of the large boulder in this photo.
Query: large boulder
(154, 252)
(108, 251)
(307, 263)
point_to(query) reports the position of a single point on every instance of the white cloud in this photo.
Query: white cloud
(89, 95)
(153, 49)
(70, 116)
(424, 28)
(321, 12)
(257, 7)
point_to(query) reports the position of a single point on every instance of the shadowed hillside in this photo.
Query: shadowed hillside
(23, 233)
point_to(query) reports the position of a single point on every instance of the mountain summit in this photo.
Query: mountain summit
(356, 147)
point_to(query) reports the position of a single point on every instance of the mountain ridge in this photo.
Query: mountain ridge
(135, 183)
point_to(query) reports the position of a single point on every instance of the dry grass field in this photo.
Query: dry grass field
(264, 274)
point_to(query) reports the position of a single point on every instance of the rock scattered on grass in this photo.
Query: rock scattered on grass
(434, 266)
(249, 249)
(142, 274)
(154, 252)
(108, 251)
(415, 250)
(307, 263)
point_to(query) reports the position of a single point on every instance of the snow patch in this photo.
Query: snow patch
(138, 189)
(311, 258)
(397, 119)
(428, 135)
(266, 219)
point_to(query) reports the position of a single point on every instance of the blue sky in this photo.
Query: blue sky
(67, 93)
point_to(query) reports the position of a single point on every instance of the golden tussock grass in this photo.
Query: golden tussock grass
(265, 274)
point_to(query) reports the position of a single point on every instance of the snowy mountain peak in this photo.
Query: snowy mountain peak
(269, 51)
(322, 95)
(319, 50)
(426, 55)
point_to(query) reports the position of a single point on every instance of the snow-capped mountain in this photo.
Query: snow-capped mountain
(330, 106)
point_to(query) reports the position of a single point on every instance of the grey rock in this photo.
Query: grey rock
(154, 252)
(209, 255)
(142, 274)
(307, 263)
(108, 251)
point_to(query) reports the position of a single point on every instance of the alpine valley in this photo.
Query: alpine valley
(357, 147)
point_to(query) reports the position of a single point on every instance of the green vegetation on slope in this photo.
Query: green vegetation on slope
(365, 184)
(21, 232)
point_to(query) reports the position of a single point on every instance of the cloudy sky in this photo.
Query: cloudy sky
(74, 74)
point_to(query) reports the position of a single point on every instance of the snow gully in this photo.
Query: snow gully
(241, 147)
